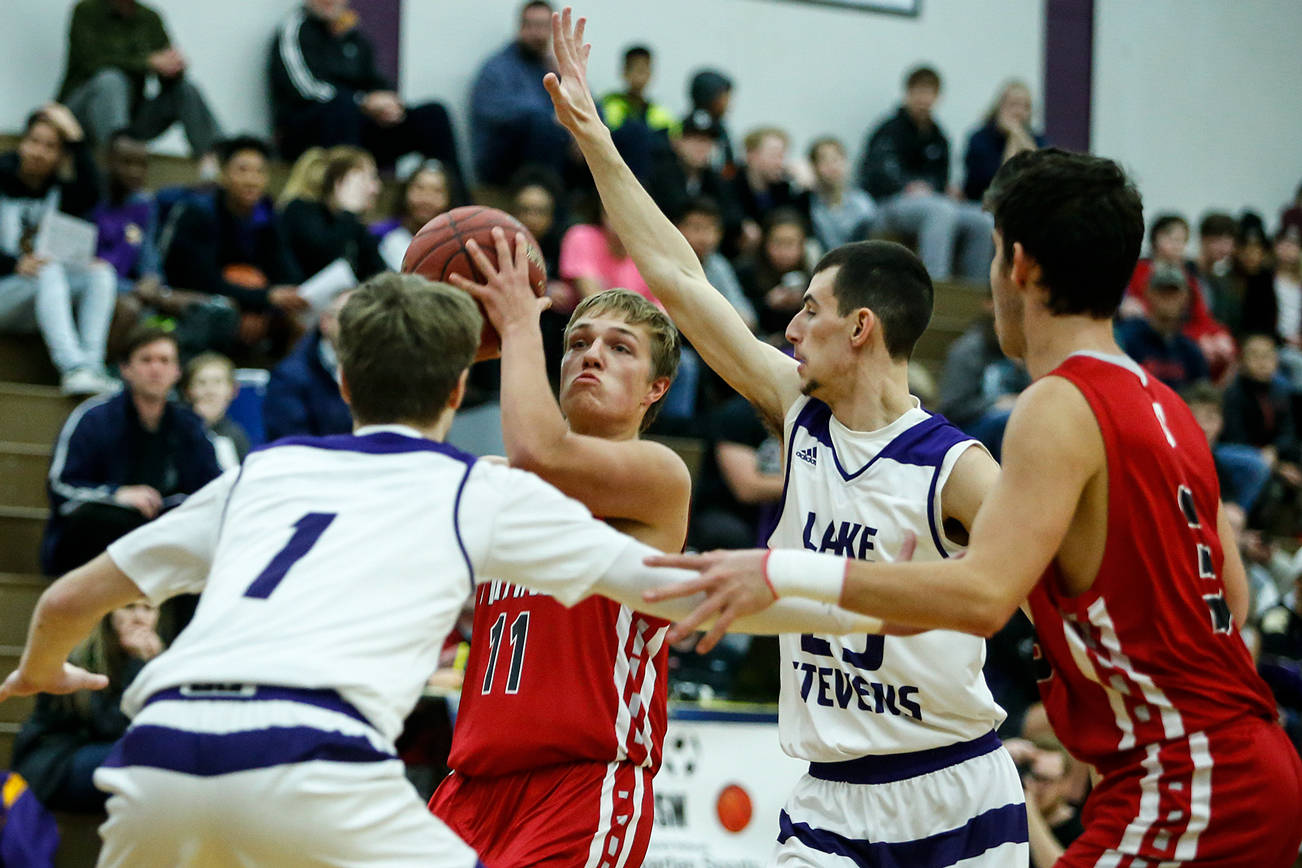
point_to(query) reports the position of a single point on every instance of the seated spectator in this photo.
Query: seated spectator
(702, 225)
(762, 184)
(838, 212)
(121, 460)
(230, 243)
(323, 220)
(1168, 237)
(1005, 133)
(326, 90)
(1288, 282)
(1056, 787)
(711, 92)
(639, 126)
(303, 393)
(776, 276)
(534, 202)
(70, 306)
(425, 194)
(209, 386)
(1280, 662)
(1155, 340)
(127, 217)
(741, 474)
(906, 171)
(68, 737)
(684, 172)
(1240, 468)
(1211, 270)
(1252, 280)
(511, 118)
(980, 385)
(593, 259)
(1259, 410)
(114, 47)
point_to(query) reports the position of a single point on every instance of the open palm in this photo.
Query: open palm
(568, 86)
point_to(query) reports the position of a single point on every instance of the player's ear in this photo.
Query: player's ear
(344, 391)
(1025, 270)
(657, 390)
(864, 323)
(458, 391)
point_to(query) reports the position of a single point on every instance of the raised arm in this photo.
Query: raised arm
(765, 375)
(637, 480)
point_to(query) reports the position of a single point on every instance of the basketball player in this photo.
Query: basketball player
(1107, 513)
(330, 569)
(562, 713)
(905, 766)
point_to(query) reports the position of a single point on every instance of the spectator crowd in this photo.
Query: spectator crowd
(188, 283)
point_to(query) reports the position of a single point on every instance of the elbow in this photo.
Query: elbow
(989, 617)
(534, 457)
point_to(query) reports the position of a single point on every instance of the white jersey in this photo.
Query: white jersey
(342, 562)
(856, 494)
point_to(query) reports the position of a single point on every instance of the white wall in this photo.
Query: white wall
(1200, 101)
(811, 69)
(226, 42)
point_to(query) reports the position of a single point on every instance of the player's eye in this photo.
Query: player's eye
(621, 348)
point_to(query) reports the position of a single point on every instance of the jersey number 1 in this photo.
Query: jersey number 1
(307, 530)
(519, 636)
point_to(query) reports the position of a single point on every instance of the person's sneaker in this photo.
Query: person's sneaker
(87, 381)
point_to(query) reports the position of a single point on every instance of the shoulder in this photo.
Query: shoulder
(97, 412)
(1052, 416)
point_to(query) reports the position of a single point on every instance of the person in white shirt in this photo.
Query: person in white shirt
(330, 570)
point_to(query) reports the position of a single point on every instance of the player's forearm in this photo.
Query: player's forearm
(958, 594)
(533, 429)
(70, 608)
(663, 257)
(628, 578)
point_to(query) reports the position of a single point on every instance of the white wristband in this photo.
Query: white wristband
(812, 575)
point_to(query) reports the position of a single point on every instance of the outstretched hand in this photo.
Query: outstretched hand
(70, 679)
(734, 586)
(506, 293)
(568, 86)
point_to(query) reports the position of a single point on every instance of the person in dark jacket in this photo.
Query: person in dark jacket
(711, 92)
(303, 392)
(1005, 133)
(326, 90)
(324, 222)
(68, 737)
(906, 170)
(230, 243)
(684, 173)
(511, 117)
(122, 459)
(114, 46)
(30, 189)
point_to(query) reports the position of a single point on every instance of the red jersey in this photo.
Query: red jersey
(546, 684)
(1149, 654)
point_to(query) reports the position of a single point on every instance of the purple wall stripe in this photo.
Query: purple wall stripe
(1068, 72)
(382, 21)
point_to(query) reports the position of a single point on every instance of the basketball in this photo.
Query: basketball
(438, 251)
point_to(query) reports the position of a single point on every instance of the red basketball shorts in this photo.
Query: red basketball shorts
(576, 814)
(1229, 798)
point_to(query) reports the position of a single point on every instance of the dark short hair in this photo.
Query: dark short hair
(40, 117)
(403, 344)
(1201, 392)
(142, 336)
(1079, 217)
(703, 205)
(1163, 222)
(634, 52)
(922, 76)
(536, 4)
(888, 279)
(1217, 223)
(228, 148)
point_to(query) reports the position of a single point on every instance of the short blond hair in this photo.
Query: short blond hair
(634, 309)
(403, 344)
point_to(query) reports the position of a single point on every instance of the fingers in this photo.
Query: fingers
(503, 249)
(521, 253)
(716, 634)
(553, 85)
(544, 303)
(481, 260)
(909, 546)
(689, 625)
(678, 589)
(684, 561)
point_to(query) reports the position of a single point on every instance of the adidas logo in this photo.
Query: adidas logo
(810, 455)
